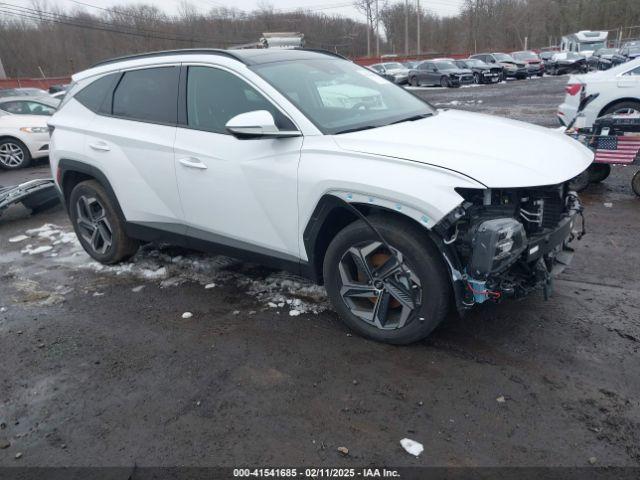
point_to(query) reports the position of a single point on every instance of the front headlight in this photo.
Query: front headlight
(35, 129)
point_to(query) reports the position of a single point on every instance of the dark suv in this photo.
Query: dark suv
(510, 67)
(440, 72)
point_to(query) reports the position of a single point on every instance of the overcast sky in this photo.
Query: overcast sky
(330, 7)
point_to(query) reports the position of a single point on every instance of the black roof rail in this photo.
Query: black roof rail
(161, 53)
(320, 50)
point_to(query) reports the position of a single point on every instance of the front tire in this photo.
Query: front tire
(413, 81)
(14, 154)
(444, 82)
(377, 298)
(98, 225)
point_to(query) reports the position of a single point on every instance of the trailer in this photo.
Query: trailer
(584, 42)
(275, 40)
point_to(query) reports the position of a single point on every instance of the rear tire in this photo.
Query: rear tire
(367, 300)
(635, 183)
(98, 225)
(580, 182)
(14, 154)
(622, 107)
(598, 172)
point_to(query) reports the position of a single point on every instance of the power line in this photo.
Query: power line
(52, 18)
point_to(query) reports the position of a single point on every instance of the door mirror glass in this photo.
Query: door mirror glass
(259, 123)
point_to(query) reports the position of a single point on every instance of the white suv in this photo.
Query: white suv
(592, 95)
(304, 161)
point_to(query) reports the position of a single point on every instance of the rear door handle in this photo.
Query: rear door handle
(100, 146)
(193, 162)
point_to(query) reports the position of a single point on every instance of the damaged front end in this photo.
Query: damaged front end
(507, 243)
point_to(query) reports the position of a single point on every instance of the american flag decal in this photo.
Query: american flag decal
(610, 149)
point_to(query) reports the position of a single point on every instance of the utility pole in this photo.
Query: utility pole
(377, 31)
(3, 75)
(368, 38)
(418, 27)
(406, 28)
(526, 43)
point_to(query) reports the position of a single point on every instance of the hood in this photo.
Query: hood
(494, 151)
(397, 71)
(456, 71)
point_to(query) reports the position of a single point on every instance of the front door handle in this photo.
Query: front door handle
(100, 146)
(193, 162)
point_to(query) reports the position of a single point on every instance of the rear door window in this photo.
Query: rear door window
(148, 95)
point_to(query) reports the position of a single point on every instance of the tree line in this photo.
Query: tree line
(47, 40)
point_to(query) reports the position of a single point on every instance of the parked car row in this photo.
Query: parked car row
(24, 134)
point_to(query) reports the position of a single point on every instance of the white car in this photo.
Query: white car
(394, 71)
(398, 209)
(616, 90)
(29, 105)
(22, 138)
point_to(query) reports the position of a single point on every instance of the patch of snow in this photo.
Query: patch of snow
(294, 313)
(137, 289)
(19, 238)
(29, 249)
(186, 315)
(162, 264)
(411, 446)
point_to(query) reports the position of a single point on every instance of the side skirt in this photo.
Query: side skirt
(206, 242)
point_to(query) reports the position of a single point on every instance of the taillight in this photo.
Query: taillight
(573, 88)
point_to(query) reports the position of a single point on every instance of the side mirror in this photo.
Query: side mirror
(259, 123)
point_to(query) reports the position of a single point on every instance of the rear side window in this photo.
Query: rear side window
(94, 95)
(149, 95)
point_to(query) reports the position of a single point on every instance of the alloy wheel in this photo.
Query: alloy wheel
(376, 286)
(11, 155)
(92, 222)
(625, 111)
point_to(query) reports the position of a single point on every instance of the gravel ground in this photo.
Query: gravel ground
(98, 367)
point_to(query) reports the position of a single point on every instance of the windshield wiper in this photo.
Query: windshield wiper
(412, 119)
(356, 129)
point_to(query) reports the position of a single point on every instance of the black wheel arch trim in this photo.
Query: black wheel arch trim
(68, 166)
(326, 206)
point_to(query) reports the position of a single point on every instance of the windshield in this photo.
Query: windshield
(475, 63)
(339, 96)
(589, 46)
(606, 51)
(503, 57)
(393, 65)
(634, 48)
(445, 65)
(525, 56)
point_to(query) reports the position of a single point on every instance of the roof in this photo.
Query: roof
(248, 56)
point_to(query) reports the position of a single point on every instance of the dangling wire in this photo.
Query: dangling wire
(405, 270)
